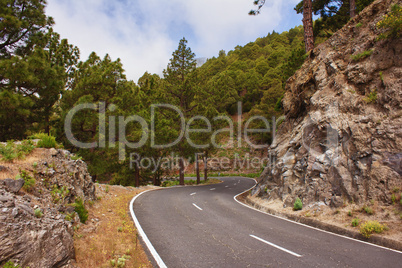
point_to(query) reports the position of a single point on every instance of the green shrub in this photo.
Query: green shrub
(359, 25)
(12, 151)
(75, 157)
(350, 214)
(371, 97)
(28, 179)
(393, 198)
(362, 55)
(355, 222)
(69, 216)
(370, 227)
(58, 193)
(82, 212)
(11, 264)
(368, 210)
(45, 140)
(392, 22)
(38, 213)
(298, 205)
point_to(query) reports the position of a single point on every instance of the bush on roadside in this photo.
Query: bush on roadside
(370, 227)
(355, 222)
(298, 205)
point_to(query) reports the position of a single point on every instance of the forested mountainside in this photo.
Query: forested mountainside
(43, 80)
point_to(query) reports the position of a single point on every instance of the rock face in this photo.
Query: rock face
(33, 241)
(341, 140)
(44, 238)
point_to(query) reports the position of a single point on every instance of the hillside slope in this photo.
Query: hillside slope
(341, 140)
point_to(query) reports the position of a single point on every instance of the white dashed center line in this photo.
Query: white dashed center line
(276, 246)
(197, 206)
(192, 193)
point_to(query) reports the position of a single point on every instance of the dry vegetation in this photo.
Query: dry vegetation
(390, 216)
(109, 234)
(12, 168)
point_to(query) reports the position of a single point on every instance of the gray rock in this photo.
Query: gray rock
(53, 152)
(5, 198)
(14, 212)
(14, 186)
(336, 202)
(318, 167)
(3, 168)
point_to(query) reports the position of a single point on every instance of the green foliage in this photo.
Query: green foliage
(69, 216)
(82, 212)
(371, 97)
(393, 198)
(76, 157)
(38, 213)
(45, 140)
(13, 150)
(370, 227)
(355, 222)
(368, 210)
(362, 55)
(298, 205)
(59, 193)
(358, 25)
(11, 264)
(28, 179)
(392, 22)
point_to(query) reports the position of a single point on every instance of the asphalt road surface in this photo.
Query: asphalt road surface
(204, 226)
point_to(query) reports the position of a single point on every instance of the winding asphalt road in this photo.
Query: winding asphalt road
(204, 226)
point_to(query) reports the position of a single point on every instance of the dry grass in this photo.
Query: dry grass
(391, 216)
(12, 168)
(110, 233)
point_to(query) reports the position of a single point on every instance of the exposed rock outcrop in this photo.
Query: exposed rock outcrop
(341, 140)
(35, 230)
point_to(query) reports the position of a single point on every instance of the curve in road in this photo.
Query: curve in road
(204, 226)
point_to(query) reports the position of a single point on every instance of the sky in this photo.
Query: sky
(144, 33)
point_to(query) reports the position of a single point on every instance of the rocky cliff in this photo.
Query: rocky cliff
(341, 140)
(36, 223)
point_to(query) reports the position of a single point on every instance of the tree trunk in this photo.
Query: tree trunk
(308, 25)
(181, 172)
(197, 168)
(352, 4)
(206, 166)
(137, 176)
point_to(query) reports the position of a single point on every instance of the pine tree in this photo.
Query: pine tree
(180, 91)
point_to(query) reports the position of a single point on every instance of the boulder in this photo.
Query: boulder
(14, 186)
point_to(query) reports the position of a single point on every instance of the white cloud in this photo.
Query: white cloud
(144, 33)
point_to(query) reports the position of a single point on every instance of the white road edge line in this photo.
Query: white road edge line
(192, 193)
(197, 206)
(314, 228)
(276, 246)
(151, 248)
